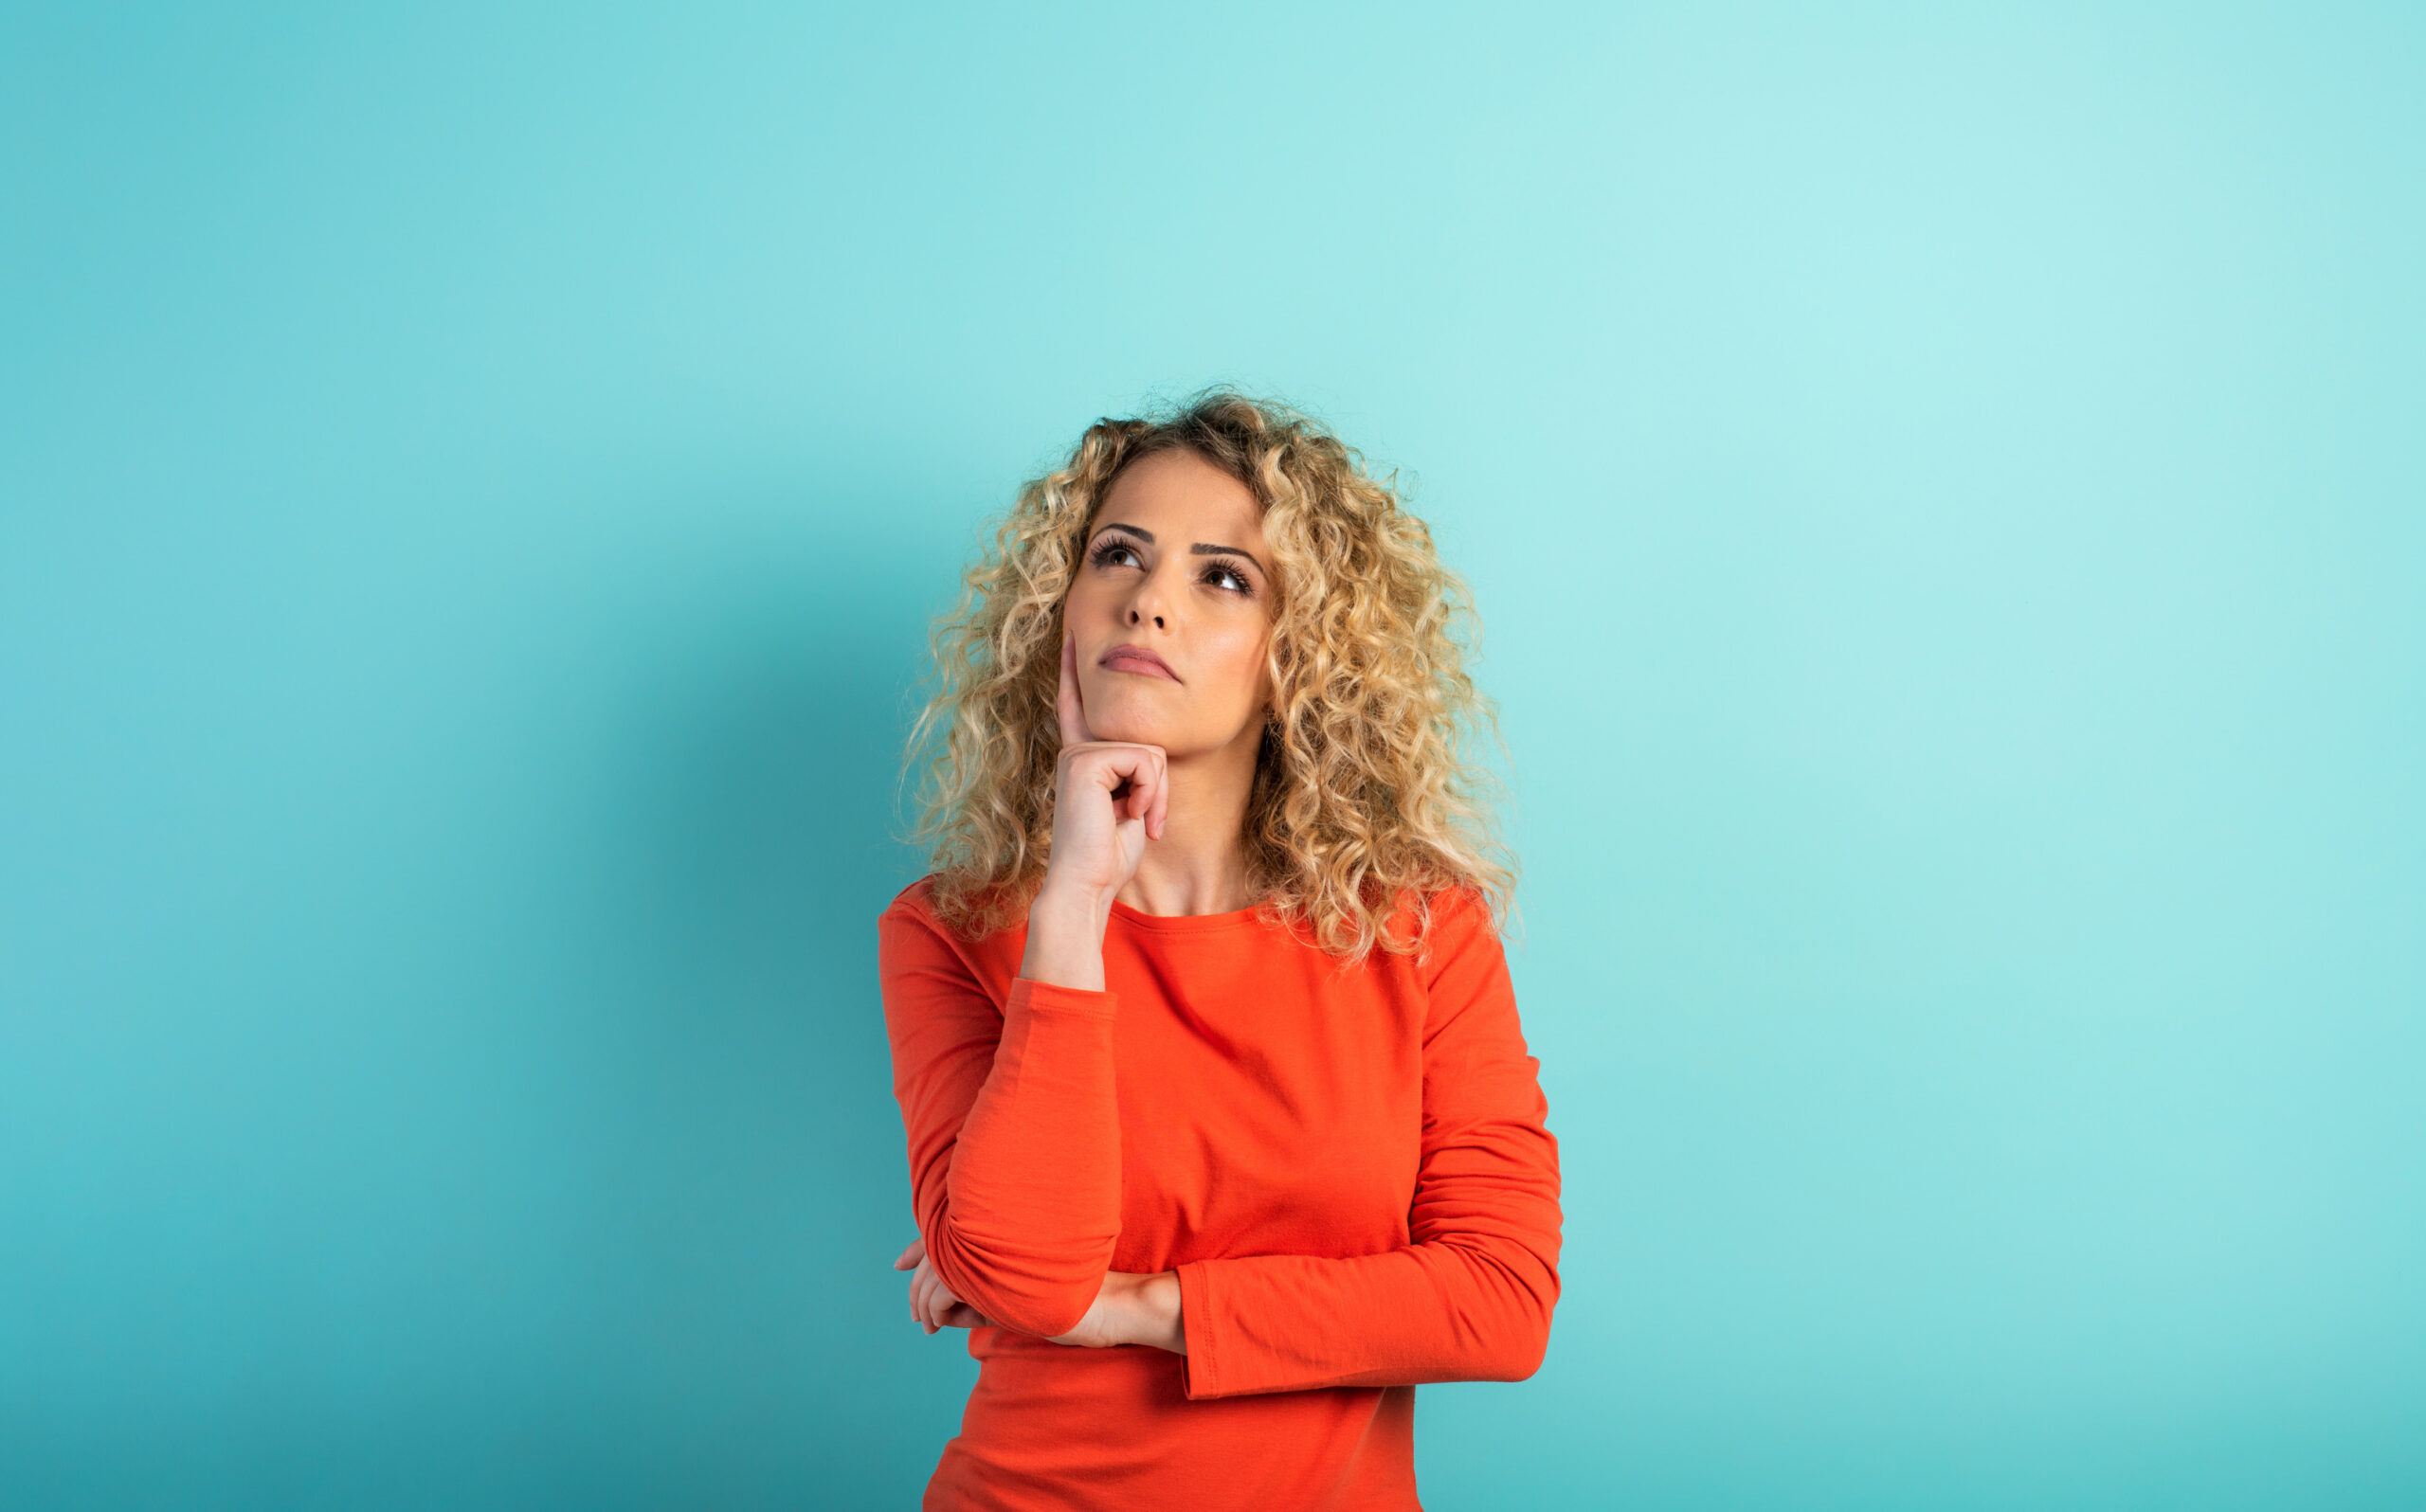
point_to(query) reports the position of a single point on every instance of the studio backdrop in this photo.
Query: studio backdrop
(1945, 488)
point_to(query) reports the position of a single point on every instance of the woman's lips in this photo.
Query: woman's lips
(1137, 659)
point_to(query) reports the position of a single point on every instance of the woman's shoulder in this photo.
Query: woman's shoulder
(918, 937)
(1424, 927)
(911, 913)
(918, 899)
(918, 913)
(967, 921)
(1455, 911)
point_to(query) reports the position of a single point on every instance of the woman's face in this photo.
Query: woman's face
(1171, 609)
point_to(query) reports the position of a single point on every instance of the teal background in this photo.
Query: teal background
(1943, 489)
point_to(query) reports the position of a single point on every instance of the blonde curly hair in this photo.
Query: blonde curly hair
(1366, 802)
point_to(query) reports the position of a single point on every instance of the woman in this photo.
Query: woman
(1223, 1133)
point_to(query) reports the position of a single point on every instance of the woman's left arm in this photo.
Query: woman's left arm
(1470, 1297)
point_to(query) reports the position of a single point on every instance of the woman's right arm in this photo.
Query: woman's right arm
(1013, 1124)
(1013, 1114)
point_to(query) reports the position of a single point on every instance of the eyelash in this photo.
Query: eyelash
(1113, 545)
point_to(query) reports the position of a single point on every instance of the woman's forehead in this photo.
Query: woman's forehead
(1180, 491)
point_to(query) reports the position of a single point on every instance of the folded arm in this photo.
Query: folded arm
(1470, 1297)
(1013, 1124)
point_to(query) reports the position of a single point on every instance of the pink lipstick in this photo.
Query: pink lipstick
(1137, 659)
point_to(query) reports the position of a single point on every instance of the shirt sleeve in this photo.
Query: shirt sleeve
(1470, 1297)
(1013, 1125)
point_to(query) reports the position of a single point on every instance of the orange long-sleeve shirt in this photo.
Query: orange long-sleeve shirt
(1348, 1166)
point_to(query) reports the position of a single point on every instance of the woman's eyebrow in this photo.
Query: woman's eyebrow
(1201, 549)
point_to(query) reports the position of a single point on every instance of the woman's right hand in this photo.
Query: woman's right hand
(1110, 798)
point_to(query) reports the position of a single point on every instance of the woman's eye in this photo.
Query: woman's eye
(1229, 578)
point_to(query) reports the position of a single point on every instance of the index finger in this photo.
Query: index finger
(1066, 705)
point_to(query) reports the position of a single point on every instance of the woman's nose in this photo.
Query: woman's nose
(1146, 603)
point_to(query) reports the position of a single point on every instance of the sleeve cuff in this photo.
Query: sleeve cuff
(1043, 997)
(1200, 1368)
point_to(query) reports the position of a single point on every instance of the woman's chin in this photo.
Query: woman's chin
(1140, 731)
(1131, 709)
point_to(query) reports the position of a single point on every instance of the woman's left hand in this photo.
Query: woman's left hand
(932, 1303)
(1131, 1308)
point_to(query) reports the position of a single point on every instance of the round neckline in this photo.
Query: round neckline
(1183, 923)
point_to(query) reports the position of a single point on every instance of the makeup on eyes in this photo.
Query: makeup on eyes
(1116, 540)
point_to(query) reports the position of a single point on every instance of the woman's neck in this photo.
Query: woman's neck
(1199, 865)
